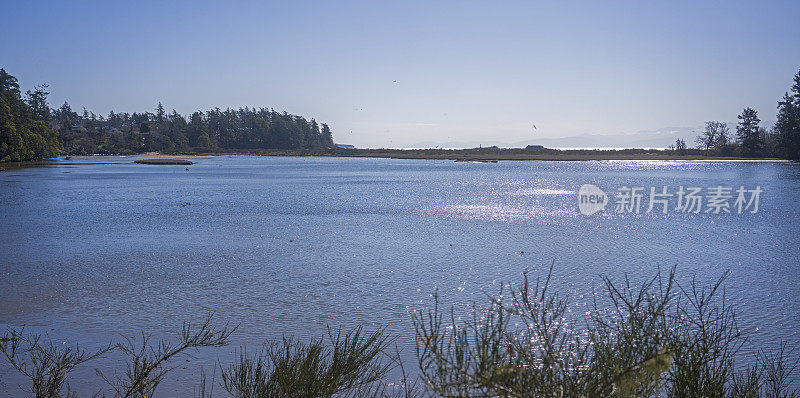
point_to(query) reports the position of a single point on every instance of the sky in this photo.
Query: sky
(396, 74)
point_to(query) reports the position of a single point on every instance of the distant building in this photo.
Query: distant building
(345, 146)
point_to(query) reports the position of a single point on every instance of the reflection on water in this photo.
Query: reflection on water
(290, 245)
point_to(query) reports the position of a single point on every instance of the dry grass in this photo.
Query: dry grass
(655, 339)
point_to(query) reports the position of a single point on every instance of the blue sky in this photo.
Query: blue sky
(464, 70)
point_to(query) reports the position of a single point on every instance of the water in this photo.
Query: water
(292, 245)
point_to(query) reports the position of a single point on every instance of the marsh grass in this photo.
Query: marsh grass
(657, 338)
(148, 361)
(45, 364)
(339, 364)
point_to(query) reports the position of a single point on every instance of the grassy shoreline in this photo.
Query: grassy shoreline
(490, 154)
(484, 155)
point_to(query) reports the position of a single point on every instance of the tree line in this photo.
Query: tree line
(752, 140)
(30, 129)
(25, 133)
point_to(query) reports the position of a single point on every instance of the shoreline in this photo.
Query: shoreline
(487, 155)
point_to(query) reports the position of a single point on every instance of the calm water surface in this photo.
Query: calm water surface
(291, 245)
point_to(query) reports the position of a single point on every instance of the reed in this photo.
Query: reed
(657, 338)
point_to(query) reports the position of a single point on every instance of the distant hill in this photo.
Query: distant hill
(661, 138)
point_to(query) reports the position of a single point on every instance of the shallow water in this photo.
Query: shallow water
(292, 245)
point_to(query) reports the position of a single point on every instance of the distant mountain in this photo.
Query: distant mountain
(647, 139)
(458, 144)
(660, 138)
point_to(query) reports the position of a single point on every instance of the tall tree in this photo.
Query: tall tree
(709, 137)
(65, 115)
(680, 146)
(24, 135)
(723, 138)
(752, 143)
(37, 100)
(160, 113)
(25, 131)
(787, 126)
(327, 136)
(723, 143)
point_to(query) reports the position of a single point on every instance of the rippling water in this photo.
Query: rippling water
(290, 245)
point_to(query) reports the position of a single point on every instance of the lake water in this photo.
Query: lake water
(291, 245)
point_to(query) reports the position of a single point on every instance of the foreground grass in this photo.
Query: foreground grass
(655, 339)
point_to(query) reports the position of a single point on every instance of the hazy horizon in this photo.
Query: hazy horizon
(395, 76)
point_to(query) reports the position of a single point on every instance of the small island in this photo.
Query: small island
(163, 161)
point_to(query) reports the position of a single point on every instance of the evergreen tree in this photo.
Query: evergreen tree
(787, 126)
(751, 142)
(160, 114)
(24, 131)
(64, 115)
(37, 100)
(195, 129)
(327, 136)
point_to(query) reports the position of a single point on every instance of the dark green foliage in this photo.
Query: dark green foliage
(29, 129)
(747, 132)
(25, 133)
(751, 140)
(344, 365)
(787, 127)
(214, 130)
